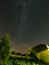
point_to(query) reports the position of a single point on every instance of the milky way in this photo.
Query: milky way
(27, 22)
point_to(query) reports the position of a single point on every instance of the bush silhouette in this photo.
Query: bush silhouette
(4, 49)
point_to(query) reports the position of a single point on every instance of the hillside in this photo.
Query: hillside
(38, 55)
(32, 56)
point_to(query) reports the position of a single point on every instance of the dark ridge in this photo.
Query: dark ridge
(40, 48)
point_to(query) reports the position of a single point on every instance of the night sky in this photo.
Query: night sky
(27, 22)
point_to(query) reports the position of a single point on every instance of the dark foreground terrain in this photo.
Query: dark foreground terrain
(31, 57)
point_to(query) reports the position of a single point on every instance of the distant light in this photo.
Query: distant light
(47, 47)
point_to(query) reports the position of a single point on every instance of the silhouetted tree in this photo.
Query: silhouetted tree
(4, 48)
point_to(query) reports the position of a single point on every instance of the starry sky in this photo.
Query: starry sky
(27, 22)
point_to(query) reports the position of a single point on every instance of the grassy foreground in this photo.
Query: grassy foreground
(25, 61)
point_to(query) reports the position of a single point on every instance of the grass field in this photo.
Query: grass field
(25, 61)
